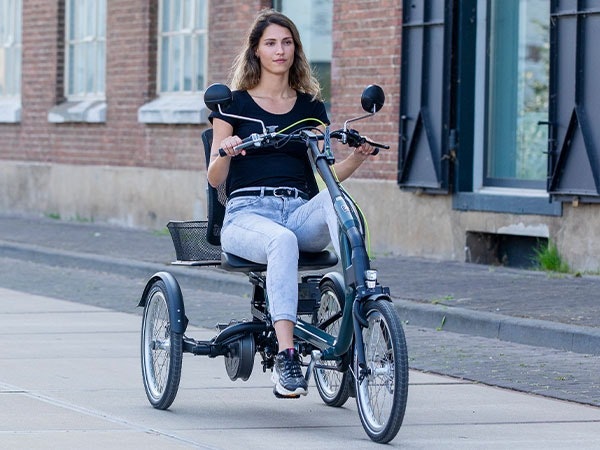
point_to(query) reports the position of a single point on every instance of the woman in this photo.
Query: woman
(273, 82)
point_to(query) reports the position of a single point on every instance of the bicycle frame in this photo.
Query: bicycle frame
(355, 264)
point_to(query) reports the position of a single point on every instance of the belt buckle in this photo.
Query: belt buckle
(284, 192)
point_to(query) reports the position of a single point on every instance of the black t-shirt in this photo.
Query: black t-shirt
(288, 165)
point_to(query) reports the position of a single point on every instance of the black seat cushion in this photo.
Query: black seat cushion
(306, 261)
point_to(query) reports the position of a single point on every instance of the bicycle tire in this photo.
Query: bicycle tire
(382, 393)
(161, 349)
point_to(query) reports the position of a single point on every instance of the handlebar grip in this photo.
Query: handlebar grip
(250, 141)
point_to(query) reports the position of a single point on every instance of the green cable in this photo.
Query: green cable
(300, 121)
(360, 212)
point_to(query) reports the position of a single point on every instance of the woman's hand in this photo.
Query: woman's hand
(228, 145)
(345, 168)
(363, 151)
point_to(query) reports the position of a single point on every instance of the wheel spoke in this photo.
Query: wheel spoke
(381, 393)
(161, 349)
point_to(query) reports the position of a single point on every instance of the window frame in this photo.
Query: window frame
(472, 191)
(11, 13)
(11, 44)
(194, 33)
(93, 40)
(484, 147)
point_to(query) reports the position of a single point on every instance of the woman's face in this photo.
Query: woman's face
(276, 49)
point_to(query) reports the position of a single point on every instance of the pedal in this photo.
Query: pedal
(315, 356)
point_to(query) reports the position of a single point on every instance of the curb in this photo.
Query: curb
(212, 278)
(533, 332)
(538, 333)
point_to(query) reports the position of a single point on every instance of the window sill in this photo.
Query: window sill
(87, 111)
(510, 201)
(10, 110)
(175, 109)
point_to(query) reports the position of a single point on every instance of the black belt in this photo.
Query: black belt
(275, 192)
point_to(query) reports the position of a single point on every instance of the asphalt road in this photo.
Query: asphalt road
(548, 372)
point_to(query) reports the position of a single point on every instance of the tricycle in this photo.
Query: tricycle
(348, 332)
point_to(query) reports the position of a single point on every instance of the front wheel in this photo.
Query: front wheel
(382, 386)
(162, 349)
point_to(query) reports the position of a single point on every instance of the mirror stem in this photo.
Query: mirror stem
(262, 124)
(358, 118)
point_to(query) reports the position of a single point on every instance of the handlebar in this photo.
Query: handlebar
(351, 138)
(254, 140)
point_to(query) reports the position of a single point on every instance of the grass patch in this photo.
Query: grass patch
(547, 257)
(446, 298)
(161, 232)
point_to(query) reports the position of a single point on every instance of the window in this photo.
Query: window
(475, 108)
(182, 56)
(85, 64)
(516, 93)
(182, 46)
(10, 60)
(85, 49)
(313, 20)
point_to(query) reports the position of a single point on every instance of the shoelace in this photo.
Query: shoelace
(292, 367)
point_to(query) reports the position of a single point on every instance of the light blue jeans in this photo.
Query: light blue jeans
(272, 230)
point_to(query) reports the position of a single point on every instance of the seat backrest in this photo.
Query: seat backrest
(216, 198)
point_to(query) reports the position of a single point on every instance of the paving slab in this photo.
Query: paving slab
(73, 381)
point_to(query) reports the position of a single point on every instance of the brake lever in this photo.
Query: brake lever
(354, 139)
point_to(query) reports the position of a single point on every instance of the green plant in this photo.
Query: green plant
(441, 324)
(162, 232)
(548, 258)
(437, 301)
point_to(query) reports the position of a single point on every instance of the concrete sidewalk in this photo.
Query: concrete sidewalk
(70, 379)
(522, 306)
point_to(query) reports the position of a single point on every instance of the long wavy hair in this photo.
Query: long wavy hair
(245, 72)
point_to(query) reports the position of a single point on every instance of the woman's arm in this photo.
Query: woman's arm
(218, 169)
(345, 168)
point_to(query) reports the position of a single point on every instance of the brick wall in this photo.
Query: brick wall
(27, 140)
(366, 50)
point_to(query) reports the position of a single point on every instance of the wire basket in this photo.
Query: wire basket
(189, 239)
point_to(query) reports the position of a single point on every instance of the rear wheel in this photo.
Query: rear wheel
(382, 386)
(161, 348)
(333, 385)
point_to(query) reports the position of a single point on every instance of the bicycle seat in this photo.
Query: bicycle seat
(306, 261)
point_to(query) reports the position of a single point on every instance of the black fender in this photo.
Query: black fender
(358, 307)
(379, 296)
(337, 279)
(174, 298)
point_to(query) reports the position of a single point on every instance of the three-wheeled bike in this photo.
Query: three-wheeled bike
(348, 330)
